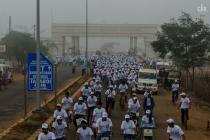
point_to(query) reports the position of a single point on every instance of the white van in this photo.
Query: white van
(147, 79)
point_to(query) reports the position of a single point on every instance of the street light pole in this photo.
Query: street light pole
(86, 50)
(38, 102)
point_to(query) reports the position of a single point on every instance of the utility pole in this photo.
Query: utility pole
(34, 31)
(10, 24)
(38, 100)
(86, 50)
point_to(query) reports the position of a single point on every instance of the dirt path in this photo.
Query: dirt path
(198, 118)
(163, 110)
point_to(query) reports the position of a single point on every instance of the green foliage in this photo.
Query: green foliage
(186, 39)
(18, 44)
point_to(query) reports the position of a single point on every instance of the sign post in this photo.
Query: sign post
(46, 73)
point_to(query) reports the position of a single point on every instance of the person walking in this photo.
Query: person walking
(174, 131)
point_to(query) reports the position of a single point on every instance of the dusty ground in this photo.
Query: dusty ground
(163, 110)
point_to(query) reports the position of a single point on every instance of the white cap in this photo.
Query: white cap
(86, 83)
(148, 111)
(133, 89)
(59, 118)
(176, 81)
(80, 99)
(91, 93)
(45, 125)
(134, 94)
(127, 116)
(58, 105)
(110, 86)
(104, 114)
(135, 98)
(183, 94)
(170, 121)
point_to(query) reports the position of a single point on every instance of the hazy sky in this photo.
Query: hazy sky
(100, 11)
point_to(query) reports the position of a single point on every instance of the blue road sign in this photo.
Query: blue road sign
(46, 73)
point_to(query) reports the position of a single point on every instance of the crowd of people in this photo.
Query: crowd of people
(114, 79)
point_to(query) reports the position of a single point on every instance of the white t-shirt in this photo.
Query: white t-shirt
(134, 107)
(146, 122)
(175, 132)
(98, 87)
(80, 109)
(103, 126)
(48, 136)
(175, 87)
(85, 91)
(67, 103)
(97, 113)
(185, 102)
(59, 129)
(110, 94)
(61, 113)
(85, 134)
(123, 88)
(91, 101)
(128, 127)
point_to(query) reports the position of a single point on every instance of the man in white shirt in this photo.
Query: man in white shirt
(84, 132)
(123, 88)
(104, 127)
(128, 128)
(97, 89)
(67, 104)
(45, 134)
(85, 91)
(91, 103)
(185, 106)
(60, 112)
(97, 113)
(59, 128)
(110, 99)
(174, 131)
(175, 90)
(134, 106)
(80, 111)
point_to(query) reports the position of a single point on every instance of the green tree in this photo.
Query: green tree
(18, 44)
(187, 40)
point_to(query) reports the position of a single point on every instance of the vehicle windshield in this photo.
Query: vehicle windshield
(174, 74)
(144, 75)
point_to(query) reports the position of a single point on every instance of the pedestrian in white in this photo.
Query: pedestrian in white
(185, 106)
(128, 128)
(91, 103)
(84, 132)
(174, 131)
(67, 102)
(46, 134)
(60, 128)
(104, 127)
(80, 110)
(60, 112)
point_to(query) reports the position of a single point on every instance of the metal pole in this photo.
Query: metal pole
(38, 102)
(86, 51)
(10, 24)
(55, 83)
(25, 93)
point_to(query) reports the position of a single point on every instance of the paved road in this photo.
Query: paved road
(12, 99)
